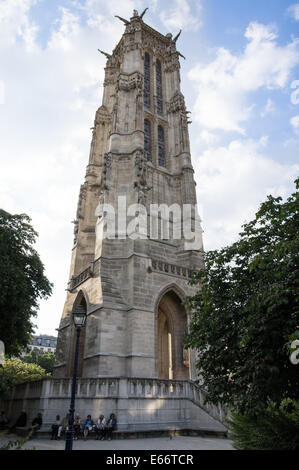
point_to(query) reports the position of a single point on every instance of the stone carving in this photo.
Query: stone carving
(102, 116)
(106, 170)
(126, 22)
(82, 197)
(129, 83)
(141, 177)
(108, 56)
(167, 268)
(151, 42)
(76, 230)
(177, 103)
(133, 27)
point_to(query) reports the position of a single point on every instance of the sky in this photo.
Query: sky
(240, 80)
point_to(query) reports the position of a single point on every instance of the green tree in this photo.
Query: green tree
(246, 311)
(44, 360)
(22, 281)
(13, 371)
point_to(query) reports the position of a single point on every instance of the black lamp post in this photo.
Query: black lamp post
(79, 317)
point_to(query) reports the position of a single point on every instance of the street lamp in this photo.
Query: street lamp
(79, 317)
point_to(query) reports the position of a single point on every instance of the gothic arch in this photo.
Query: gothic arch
(171, 328)
(82, 294)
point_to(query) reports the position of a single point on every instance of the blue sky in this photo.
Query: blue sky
(242, 60)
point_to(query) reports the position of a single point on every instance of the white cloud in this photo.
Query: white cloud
(180, 16)
(68, 29)
(2, 92)
(207, 137)
(269, 108)
(295, 124)
(51, 97)
(234, 180)
(293, 10)
(224, 84)
(15, 23)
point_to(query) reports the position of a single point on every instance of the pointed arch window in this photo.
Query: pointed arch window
(161, 147)
(80, 303)
(147, 140)
(159, 87)
(147, 83)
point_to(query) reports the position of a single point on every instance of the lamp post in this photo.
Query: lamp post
(79, 317)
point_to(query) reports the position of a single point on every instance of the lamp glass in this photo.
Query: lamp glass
(79, 316)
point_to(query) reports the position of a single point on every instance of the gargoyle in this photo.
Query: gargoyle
(122, 19)
(105, 54)
(142, 14)
(177, 36)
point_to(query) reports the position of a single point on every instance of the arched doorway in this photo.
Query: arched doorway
(172, 358)
(80, 303)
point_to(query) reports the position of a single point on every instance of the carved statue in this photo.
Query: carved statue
(141, 177)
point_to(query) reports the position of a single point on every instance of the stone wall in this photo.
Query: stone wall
(139, 404)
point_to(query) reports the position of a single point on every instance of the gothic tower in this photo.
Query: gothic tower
(132, 283)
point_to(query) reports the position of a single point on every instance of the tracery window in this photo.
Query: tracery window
(161, 147)
(147, 140)
(159, 87)
(147, 77)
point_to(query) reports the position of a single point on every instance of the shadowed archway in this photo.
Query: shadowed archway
(172, 359)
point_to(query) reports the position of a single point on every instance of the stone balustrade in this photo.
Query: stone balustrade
(122, 388)
(76, 281)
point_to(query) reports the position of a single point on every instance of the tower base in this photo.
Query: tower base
(140, 405)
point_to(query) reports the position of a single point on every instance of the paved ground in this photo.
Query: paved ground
(157, 443)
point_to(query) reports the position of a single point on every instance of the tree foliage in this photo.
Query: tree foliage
(13, 371)
(44, 360)
(22, 281)
(246, 311)
(273, 429)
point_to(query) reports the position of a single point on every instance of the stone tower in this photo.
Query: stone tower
(132, 256)
(132, 283)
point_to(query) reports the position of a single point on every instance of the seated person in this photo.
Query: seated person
(21, 421)
(3, 419)
(111, 426)
(77, 427)
(37, 422)
(63, 426)
(88, 426)
(55, 428)
(101, 428)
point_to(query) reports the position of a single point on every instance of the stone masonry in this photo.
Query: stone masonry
(132, 286)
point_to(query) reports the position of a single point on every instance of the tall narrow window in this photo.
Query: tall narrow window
(159, 87)
(147, 140)
(147, 84)
(161, 147)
